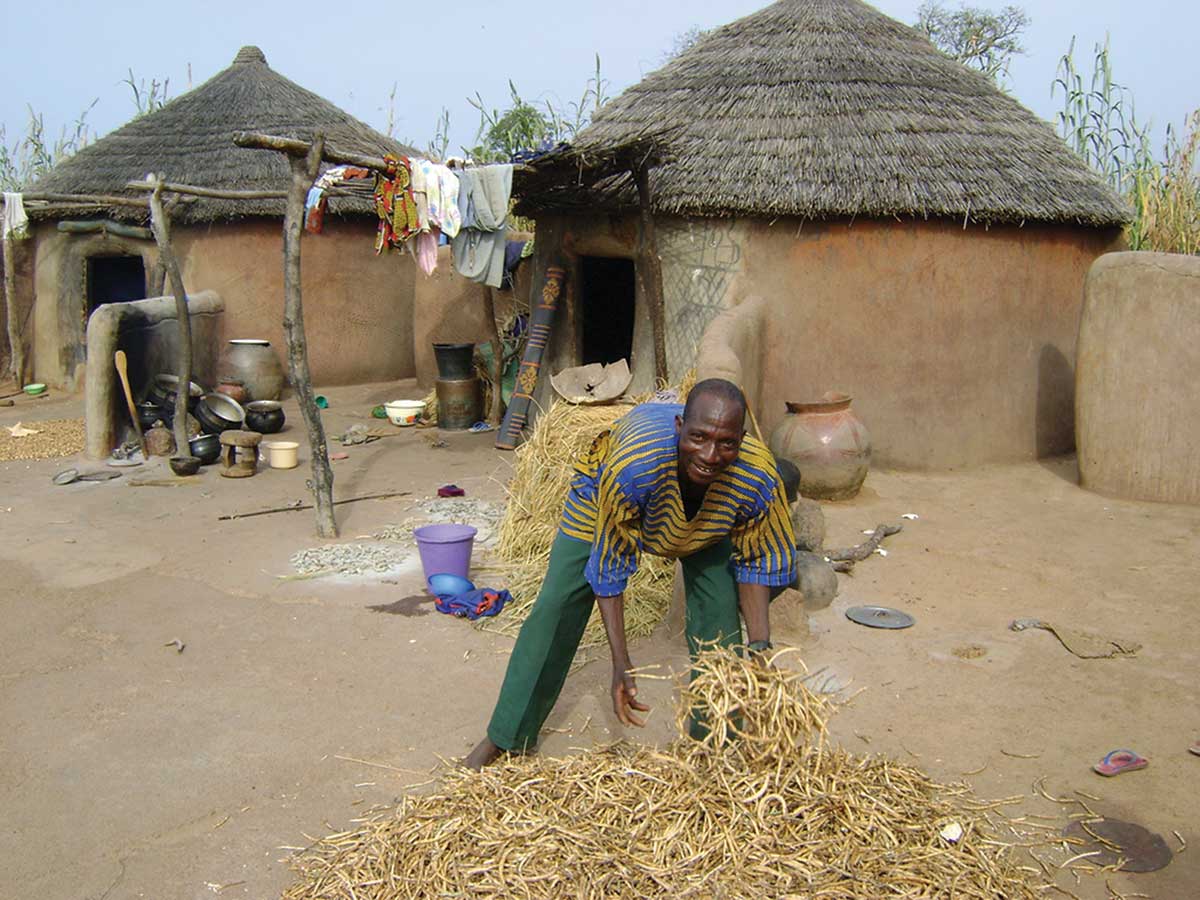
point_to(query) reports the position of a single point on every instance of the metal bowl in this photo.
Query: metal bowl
(218, 413)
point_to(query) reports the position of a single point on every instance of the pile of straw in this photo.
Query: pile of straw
(775, 813)
(536, 494)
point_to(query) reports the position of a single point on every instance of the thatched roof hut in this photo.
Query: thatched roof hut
(190, 141)
(914, 236)
(822, 108)
(358, 306)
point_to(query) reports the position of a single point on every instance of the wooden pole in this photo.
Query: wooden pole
(489, 306)
(85, 199)
(160, 225)
(216, 193)
(304, 171)
(649, 271)
(15, 345)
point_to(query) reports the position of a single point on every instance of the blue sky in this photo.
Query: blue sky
(77, 51)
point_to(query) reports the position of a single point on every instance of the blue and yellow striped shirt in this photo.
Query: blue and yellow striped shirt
(625, 500)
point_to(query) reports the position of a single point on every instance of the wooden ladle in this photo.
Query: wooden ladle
(123, 371)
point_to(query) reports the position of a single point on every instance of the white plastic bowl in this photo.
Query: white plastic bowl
(282, 454)
(404, 412)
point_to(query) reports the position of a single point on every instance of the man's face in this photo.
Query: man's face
(709, 440)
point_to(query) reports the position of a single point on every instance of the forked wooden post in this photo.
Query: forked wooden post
(649, 271)
(304, 171)
(15, 343)
(161, 228)
(497, 373)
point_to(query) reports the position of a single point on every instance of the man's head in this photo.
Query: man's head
(710, 430)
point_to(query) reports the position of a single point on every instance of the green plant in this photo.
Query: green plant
(147, 99)
(1166, 196)
(33, 155)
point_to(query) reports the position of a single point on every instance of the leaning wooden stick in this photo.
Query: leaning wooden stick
(183, 367)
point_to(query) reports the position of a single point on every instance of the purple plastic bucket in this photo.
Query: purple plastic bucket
(445, 548)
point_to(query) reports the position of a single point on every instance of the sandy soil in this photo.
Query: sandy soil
(128, 769)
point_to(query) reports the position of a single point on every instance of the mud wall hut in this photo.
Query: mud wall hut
(920, 239)
(358, 306)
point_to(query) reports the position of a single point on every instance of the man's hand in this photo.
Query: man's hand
(624, 695)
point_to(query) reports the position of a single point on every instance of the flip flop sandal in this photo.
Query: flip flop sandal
(1119, 761)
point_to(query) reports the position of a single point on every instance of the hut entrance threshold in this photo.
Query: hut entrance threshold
(608, 294)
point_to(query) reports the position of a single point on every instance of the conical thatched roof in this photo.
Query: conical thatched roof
(822, 108)
(190, 140)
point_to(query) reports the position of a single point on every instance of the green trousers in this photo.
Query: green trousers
(550, 636)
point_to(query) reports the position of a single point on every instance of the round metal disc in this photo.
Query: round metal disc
(66, 476)
(1112, 841)
(879, 617)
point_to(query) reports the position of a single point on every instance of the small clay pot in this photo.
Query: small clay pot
(184, 465)
(234, 389)
(264, 416)
(159, 441)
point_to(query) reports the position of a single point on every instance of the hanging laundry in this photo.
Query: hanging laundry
(395, 204)
(514, 252)
(427, 247)
(450, 218)
(15, 222)
(316, 201)
(479, 246)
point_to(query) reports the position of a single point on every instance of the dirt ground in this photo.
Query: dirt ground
(129, 769)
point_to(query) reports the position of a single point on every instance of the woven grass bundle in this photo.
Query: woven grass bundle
(775, 813)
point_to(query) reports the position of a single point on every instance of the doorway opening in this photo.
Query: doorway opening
(608, 292)
(114, 279)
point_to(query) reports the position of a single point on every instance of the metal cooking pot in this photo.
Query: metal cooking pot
(218, 413)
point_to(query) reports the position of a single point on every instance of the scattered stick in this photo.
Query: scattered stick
(861, 551)
(297, 506)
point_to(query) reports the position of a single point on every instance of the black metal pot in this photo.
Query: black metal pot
(206, 448)
(149, 413)
(162, 393)
(264, 416)
(218, 413)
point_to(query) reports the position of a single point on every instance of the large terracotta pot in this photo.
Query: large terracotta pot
(828, 443)
(255, 365)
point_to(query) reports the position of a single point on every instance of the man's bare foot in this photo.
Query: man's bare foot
(483, 755)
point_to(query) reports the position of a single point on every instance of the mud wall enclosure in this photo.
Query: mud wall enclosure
(358, 307)
(958, 344)
(1138, 397)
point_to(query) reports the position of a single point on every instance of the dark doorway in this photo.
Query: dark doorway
(608, 289)
(114, 279)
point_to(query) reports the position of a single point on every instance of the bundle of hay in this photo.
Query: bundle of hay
(536, 495)
(775, 812)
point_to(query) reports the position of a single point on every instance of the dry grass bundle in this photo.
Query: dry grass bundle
(536, 495)
(55, 438)
(776, 813)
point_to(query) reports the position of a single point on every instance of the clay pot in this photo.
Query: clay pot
(159, 441)
(184, 465)
(828, 443)
(234, 389)
(148, 413)
(264, 416)
(255, 365)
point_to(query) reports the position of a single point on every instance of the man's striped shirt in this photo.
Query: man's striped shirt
(625, 500)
